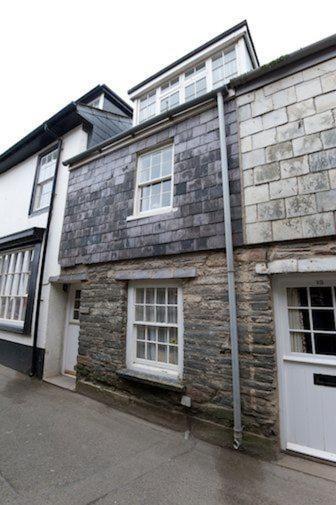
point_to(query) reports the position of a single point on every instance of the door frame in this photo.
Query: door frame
(279, 283)
(71, 292)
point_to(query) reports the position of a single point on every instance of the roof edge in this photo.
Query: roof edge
(142, 126)
(288, 61)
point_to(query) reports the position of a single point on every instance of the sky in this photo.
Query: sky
(54, 51)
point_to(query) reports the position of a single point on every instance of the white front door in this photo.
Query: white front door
(305, 310)
(71, 332)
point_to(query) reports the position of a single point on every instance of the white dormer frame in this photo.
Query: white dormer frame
(245, 58)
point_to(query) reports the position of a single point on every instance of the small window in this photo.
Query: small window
(311, 319)
(155, 327)
(147, 106)
(76, 307)
(44, 181)
(224, 67)
(155, 176)
(15, 270)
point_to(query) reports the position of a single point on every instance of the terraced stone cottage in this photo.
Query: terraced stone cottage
(204, 241)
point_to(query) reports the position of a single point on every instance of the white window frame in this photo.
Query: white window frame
(13, 280)
(39, 184)
(171, 90)
(160, 210)
(146, 366)
(241, 67)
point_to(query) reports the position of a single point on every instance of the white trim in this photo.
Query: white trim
(149, 213)
(309, 451)
(145, 366)
(137, 213)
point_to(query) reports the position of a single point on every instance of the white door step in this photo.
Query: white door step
(62, 381)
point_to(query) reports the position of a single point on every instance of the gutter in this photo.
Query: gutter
(237, 428)
(34, 368)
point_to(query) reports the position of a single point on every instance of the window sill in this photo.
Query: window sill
(14, 328)
(151, 379)
(151, 214)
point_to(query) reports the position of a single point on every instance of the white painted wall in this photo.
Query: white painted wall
(16, 187)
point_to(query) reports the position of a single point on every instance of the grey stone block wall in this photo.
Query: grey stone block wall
(101, 197)
(288, 156)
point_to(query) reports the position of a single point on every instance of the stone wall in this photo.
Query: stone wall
(288, 156)
(207, 356)
(101, 197)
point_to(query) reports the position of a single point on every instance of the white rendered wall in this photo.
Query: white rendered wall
(16, 187)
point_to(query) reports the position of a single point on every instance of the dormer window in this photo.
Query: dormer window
(207, 68)
(224, 67)
(147, 106)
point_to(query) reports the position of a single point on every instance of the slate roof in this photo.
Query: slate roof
(100, 124)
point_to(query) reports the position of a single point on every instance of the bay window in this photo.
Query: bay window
(155, 328)
(15, 271)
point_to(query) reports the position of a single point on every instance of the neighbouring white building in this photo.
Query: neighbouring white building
(38, 311)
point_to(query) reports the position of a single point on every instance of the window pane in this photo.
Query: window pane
(150, 295)
(325, 343)
(162, 334)
(144, 205)
(160, 314)
(200, 87)
(155, 202)
(321, 297)
(172, 315)
(161, 295)
(139, 313)
(144, 175)
(173, 354)
(298, 319)
(173, 336)
(141, 350)
(301, 342)
(141, 332)
(151, 333)
(162, 353)
(166, 199)
(150, 313)
(189, 92)
(151, 352)
(323, 320)
(297, 297)
(172, 296)
(139, 295)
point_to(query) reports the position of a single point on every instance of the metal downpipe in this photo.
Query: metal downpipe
(237, 428)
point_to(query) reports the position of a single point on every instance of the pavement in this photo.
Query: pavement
(60, 448)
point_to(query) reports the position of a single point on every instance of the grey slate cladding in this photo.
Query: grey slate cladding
(104, 124)
(101, 196)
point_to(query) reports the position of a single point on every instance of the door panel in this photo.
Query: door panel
(71, 334)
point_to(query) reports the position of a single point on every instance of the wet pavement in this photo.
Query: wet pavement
(60, 448)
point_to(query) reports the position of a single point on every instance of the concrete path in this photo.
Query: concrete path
(60, 448)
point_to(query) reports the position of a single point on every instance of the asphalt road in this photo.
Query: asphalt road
(57, 447)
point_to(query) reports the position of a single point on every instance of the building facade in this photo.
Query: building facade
(146, 240)
(32, 301)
